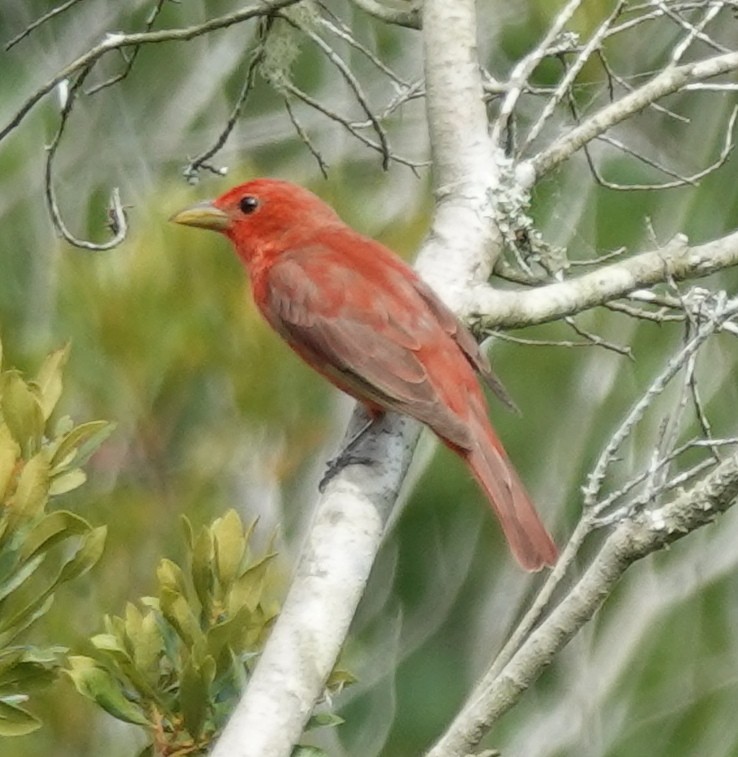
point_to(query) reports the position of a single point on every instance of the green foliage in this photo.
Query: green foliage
(177, 664)
(39, 550)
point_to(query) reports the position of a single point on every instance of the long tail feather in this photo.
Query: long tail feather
(528, 538)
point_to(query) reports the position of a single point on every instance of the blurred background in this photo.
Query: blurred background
(213, 412)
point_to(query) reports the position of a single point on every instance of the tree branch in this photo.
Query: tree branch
(409, 18)
(630, 541)
(668, 81)
(121, 41)
(676, 261)
(329, 581)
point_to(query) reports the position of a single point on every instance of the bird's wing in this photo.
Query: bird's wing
(467, 343)
(369, 337)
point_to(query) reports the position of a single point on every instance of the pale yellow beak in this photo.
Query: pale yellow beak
(204, 215)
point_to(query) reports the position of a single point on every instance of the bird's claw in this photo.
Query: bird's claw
(338, 463)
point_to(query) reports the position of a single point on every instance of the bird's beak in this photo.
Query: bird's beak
(204, 215)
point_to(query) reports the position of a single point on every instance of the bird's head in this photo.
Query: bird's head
(260, 214)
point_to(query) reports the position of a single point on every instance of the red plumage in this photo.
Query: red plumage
(362, 318)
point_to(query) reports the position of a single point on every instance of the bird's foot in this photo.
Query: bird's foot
(339, 462)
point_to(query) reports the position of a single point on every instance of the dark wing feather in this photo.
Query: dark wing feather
(366, 336)
(467, 343)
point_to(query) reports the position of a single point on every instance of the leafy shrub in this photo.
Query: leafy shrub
(39, 550)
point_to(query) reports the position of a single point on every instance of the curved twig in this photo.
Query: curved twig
(116, 213)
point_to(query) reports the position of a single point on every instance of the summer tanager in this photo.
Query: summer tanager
(362, 318)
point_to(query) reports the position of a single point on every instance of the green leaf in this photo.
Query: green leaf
(9, 454)
(66, 482)
(249, 587)
(33, 487)
(148, 646)
(49, 379)
(15, 721)
(81, 441)
(338, 679)
(85, 557)
(27, 675)
(22, 412)
(18, 577)
(133, 620)
(18, 623)
(170, 576)
(189, 532)
(230, 633)
(324, 720)
(52, 529)
(308, 751)
(194, 694)
(202, 569)
(230, 545)
(97, 684)
(108, 642)
(175, 609)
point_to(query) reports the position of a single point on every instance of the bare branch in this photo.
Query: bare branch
(116, 214)
(495, 308)
(121, 41)
(131, 58)
(631, 540)
(39, 22)
(410, 18)
(302, 134)
(668, 81)
(571, 74)
(693, 31)
(523, 70)
(722, 313)
(202, 161)
(351, 80)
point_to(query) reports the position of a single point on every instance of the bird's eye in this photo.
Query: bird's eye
(248, 204)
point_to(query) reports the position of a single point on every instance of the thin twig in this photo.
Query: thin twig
(202, 161)
(669, 80)
(131, 59)
(116, 214)
(572, 72)
(39, 21)
(409, 18)
(642, 313)
(121, 41)
(598, 341)
(353, 83)
(523, 70)
(674, 365)
(302, 134)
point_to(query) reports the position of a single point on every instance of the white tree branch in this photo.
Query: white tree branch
(631, 540)
(676, 261)
(329, 580)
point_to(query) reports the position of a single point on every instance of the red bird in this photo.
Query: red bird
(362, 318)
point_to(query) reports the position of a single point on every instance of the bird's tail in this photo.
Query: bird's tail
(528, 538)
